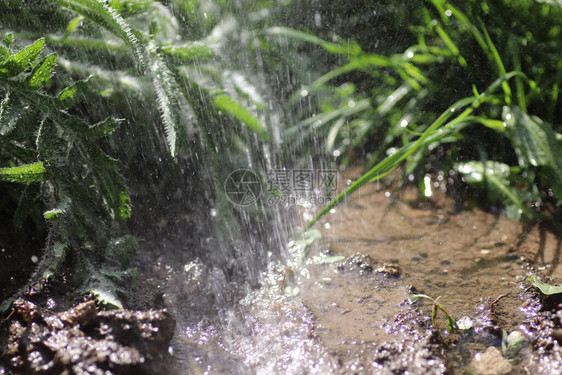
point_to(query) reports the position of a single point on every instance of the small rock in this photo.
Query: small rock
(490, 362)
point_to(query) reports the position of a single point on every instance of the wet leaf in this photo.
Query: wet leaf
(343, 48)
(5, 53)
(43, 72)
(104, 127)
(536, 143)
(496, 176)
(476, 171)
(237, 110)
(69, 95)
(187, 52)
(9, 115)
(24, 174)
(452, 326)
(21, 61)
(52, 214)
(433, 313)
(545, 289)
(73, 25)
(101, 13)
(124, 204)
(8, 39)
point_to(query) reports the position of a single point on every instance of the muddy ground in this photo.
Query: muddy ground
(343, 306)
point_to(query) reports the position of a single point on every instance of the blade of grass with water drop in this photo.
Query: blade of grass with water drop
(240, 113)
(344, 48)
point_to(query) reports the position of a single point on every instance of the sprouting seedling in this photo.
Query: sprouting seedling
(452, 326)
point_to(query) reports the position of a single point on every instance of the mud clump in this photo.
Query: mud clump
(364, 264)
(389, 270)
(359, 262)
(83, 340)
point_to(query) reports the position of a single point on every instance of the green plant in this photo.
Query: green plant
(383, 106)
(130, 57)
(58, 158)
(452, 326)
(545, 289)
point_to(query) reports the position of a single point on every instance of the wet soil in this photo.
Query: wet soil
(343, 307)
(72, 337)
(339, 305)
(476, 262)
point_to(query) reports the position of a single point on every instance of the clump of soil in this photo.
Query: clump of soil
(84, 340)
(364, 264)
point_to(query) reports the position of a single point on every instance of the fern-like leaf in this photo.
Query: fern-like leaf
(101, 13)
(170, 102)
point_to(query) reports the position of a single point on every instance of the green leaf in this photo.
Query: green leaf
(173, 107)
(69, 95)
(21, 61)
(545, 289)
(5, 53)
(124, 204)
(43, 72)
(99, 12)
(343, 48)
(536, 143)
(237, 110)
(475, 172)
(52, 214)
(496, 176)
(190, 51)
(72, 26)
(104, 127)
(452, 326)
(24, 174)
(8, 39)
